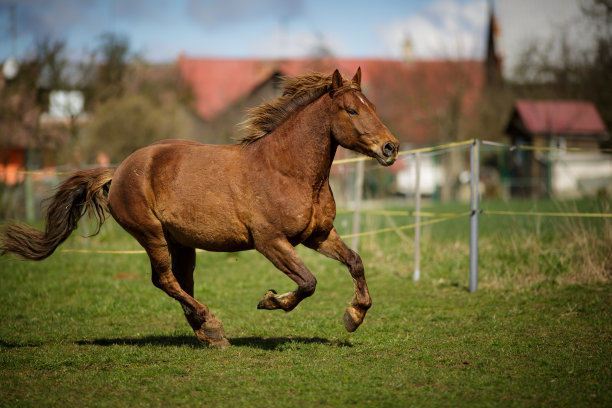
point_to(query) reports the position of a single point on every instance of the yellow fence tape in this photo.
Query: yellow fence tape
(405, 227)
(406, 152)
(547, 214)
(399, 213)
(100, 251)
(402, 153)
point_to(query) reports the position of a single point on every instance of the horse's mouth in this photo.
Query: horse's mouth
(385, 161)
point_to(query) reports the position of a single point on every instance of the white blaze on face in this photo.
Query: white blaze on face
(361, 99)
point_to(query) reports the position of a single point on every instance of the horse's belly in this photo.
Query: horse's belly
(207, 226)
(211, 236)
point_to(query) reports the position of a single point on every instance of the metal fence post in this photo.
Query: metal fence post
(474, 210)
(358, 195)
(417, 218)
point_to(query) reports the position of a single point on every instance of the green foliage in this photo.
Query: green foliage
(133, 103)
(91, 330)
(124, 124)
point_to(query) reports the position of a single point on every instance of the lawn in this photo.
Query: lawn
(91, 330)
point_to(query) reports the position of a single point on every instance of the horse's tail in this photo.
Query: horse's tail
(84, 191)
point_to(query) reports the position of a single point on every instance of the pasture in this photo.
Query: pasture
(91, 330)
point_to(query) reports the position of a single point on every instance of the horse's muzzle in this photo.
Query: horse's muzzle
(388, 154)
(388, 149)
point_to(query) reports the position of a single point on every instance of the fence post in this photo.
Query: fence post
(417, 218)
(474, 210)
(359, 170)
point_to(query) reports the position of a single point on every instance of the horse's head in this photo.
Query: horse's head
(354, 123)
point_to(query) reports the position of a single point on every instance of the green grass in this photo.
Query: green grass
(91, 330)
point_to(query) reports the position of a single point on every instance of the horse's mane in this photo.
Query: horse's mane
(298, 91)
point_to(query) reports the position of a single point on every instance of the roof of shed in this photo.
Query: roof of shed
(560, 117)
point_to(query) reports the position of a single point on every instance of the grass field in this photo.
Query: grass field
(91, 330)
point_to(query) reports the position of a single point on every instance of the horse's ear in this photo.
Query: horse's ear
(357, 77)
(336, 81)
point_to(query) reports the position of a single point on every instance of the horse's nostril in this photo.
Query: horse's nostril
(388, 149)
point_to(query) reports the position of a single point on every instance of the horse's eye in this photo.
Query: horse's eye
(351, 112)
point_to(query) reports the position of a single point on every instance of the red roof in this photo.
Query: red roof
(218, 83)
(570, 117)
(410, 97)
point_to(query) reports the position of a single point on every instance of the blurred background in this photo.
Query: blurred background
(85, 83)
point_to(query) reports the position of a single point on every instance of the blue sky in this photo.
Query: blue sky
(161, 29)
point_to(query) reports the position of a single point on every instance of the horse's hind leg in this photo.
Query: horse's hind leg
(332, 246)
(183, 264)
(150, 235)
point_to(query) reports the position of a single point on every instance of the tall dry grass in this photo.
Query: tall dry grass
(514, 251)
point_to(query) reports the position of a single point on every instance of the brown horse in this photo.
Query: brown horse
(270, 193)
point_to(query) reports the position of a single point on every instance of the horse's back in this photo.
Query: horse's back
(177, 142)
(190, 188)
(173, 159)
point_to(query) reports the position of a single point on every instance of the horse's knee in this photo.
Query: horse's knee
(356, 265)
(308, 287)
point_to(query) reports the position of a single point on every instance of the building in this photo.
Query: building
(420, 101)
(560, 172)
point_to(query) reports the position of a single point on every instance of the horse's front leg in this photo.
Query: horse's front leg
(332, 246)
(283, 255)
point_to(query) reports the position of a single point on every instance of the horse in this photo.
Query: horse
(269, 192)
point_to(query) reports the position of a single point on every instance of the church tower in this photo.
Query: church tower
(493, 62)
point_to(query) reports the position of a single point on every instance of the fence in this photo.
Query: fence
(474, 199)
(473, 177)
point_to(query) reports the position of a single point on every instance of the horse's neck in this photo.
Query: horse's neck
(302, 145)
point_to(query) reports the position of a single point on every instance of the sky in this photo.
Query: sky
(159, 30)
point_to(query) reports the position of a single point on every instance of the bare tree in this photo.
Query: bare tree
(571, 72)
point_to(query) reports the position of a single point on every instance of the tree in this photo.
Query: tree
(113, 53)
(51, 55)
(557, 69)
(124, 124)
(597, 75)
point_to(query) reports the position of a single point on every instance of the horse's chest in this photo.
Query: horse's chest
(317, 218)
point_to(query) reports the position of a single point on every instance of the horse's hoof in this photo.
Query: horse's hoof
(219, 344)
(211, 334)
(213, 342)
(353, 319)
(269, 301)
(214, 329)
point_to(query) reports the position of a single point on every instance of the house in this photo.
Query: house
(19, 110)
(418, 100)
(561, 125)
(34, 118)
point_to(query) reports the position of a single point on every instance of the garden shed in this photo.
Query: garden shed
(575, 132)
